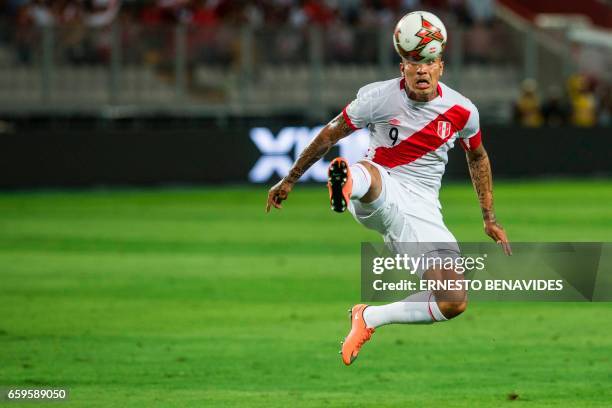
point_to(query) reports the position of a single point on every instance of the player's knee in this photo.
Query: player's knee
(452, 309)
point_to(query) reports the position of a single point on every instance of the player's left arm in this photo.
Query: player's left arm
(482, 179)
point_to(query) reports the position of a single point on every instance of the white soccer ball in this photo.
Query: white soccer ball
(419, 36)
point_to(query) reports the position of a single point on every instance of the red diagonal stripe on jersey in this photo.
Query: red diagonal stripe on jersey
(422, 142)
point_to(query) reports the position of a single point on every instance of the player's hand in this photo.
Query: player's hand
(497, 233)
(278, 193)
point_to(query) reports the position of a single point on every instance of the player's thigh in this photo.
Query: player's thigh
(376, 181)
(424, 223)
(424, 235)
(386, 218)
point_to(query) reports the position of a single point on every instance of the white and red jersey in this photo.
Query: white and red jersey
(411, 139)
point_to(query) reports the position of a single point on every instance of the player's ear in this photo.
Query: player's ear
(441, 67)
(402, 67)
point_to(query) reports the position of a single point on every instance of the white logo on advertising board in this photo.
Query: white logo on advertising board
(279, 153)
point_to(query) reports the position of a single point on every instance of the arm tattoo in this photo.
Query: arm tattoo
(482, 179)
(319, 146)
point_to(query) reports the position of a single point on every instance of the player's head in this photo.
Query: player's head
(422, 77)
(420, 38)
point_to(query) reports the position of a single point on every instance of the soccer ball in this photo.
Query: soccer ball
(419, 36)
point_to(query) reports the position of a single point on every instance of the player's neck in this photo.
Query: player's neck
(422, 98)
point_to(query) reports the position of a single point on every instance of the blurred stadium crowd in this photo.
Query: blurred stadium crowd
(206, 12)
(343, 18)
(281, 36)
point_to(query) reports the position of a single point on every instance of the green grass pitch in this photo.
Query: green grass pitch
(195, 297)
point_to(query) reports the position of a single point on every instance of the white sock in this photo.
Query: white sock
(418, 308)
(361, 181)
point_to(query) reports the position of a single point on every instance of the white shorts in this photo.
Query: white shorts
(410, 223)
(403, 215)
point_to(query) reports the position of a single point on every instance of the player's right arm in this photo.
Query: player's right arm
(335, 130)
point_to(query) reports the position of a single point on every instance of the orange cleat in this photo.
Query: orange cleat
(340, 184)
(358, 335)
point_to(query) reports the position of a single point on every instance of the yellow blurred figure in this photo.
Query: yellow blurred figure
(584, 106)
(527, 109)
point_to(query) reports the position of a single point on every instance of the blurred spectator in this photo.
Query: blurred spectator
(100, 13)
(459, 9)
(481, 11)
(91, 13)
(555, 110)
(584, 107)
(205, 14)
(341, 42)
(349, 10)
(605, 104)
(318, 12)
(527, 107)
(478, 44)
(24, 34)
(42, 13)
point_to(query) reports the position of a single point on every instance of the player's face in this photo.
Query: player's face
(422, 78)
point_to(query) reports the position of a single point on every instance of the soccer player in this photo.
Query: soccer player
(413, 121)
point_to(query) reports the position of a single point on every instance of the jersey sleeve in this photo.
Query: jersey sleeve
(358, 113)
(470, 137)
